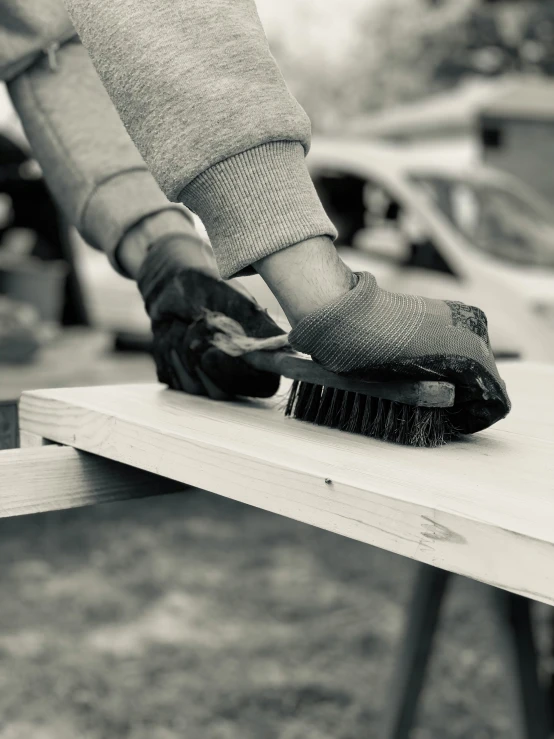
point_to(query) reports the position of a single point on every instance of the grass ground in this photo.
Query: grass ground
(190, 616)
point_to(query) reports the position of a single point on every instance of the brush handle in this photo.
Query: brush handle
(428, 393)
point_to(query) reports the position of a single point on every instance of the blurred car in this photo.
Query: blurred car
(432, 227)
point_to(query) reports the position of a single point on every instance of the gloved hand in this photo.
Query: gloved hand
(176, 297)
(373, 334)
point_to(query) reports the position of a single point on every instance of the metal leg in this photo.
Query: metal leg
(550, 669)
(428, 595)
(516, 615)
(9, 425)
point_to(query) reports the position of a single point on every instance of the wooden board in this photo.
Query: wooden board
(53, 478)
(482, 507)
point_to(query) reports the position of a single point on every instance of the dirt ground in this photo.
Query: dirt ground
(190, 616)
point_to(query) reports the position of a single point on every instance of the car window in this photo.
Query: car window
(494, 219)
(341, 194)
(370, 219)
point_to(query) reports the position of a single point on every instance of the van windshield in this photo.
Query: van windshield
(493, 218)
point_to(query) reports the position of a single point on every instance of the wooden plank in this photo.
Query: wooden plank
(482, 507)
(28, 440)
(53, 477)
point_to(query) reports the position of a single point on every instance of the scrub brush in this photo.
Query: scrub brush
(414, 413)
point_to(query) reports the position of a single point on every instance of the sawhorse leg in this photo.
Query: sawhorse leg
(9, 427)
(415, 651)
(515, 612)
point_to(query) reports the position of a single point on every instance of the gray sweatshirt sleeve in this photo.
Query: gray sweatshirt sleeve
(207, 107)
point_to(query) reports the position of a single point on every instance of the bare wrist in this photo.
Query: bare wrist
(305, 276)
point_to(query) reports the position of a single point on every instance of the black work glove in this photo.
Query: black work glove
(176, 298)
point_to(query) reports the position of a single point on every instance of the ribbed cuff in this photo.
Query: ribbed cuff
(257, 203)
(168, 224)
(120, 203)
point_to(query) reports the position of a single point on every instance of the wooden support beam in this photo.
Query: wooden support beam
(29, 440)
(53, 477)
(482, 507)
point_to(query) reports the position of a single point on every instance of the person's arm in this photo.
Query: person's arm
(204, 102)
(91, 166)
(206, 105)
(104, 188)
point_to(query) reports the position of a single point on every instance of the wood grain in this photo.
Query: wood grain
(53, 477)
(482, 507)
(28, 439)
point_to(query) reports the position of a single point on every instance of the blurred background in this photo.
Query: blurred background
(433, 153)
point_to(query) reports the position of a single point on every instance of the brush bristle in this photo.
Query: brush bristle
(361, 414)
